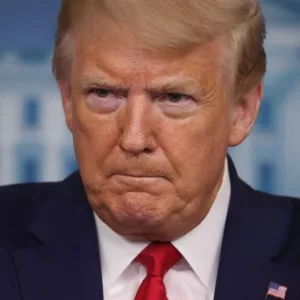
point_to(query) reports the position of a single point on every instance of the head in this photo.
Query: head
(154, 93)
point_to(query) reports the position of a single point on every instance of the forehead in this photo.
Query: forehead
(118, 54)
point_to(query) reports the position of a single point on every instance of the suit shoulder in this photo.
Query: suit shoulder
(279, 200)
(270, 201)
(20, 202)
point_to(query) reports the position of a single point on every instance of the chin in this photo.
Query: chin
(139, 218)
(137, 223)
(142, 225)
(134, 213)
(137, 207)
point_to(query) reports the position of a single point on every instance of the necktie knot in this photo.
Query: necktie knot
(159, 258)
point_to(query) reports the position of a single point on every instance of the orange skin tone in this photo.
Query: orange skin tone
(151, 133)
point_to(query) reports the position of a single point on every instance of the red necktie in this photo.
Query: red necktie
(158, 258)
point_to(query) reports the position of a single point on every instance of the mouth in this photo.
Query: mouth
(139, 181)
(139, 176)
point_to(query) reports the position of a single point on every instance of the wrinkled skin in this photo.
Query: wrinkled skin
(152, 156)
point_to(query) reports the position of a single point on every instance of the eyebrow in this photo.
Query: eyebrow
(89, 81)
(175, 84)
(162, 85)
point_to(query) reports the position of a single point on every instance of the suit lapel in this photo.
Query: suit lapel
(253, 251)
(61, 257)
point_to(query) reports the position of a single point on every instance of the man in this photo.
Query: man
(154, 93)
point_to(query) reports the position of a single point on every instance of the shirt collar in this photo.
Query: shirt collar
(116, 252)
(200, 247)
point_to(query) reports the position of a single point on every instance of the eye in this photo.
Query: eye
(176, 104)
(175, 98)
(102, 93)
(103, 100)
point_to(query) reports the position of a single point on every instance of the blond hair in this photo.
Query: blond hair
(173, 25)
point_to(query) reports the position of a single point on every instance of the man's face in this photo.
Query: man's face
(151, 132)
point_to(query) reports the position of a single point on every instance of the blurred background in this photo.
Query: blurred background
(35, 144)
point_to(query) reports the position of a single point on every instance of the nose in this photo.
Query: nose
(137, 126)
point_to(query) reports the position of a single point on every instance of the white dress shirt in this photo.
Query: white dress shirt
(192, 278)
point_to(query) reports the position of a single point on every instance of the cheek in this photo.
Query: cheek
(196, 149)
(94, 137)
(196, 136)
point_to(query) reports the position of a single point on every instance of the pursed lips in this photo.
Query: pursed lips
(139, 181)
(139, 175)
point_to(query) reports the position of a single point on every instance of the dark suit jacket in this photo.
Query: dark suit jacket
(49, 248)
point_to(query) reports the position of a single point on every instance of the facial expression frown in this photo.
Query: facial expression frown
(151, 132)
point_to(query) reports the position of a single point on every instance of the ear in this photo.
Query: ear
(65, 92)
(244, 115)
